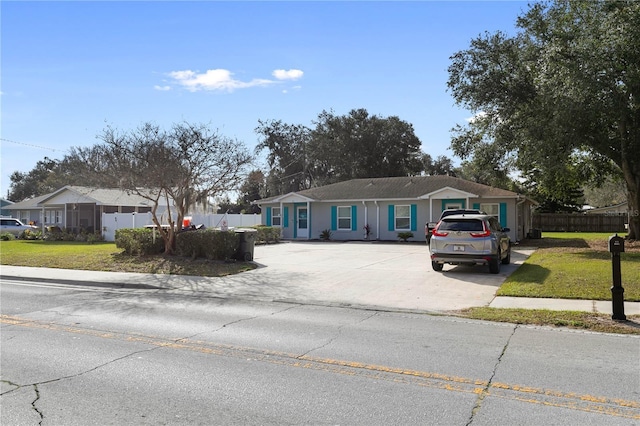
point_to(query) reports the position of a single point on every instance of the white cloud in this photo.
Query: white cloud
(218, 79)
(223, 80)
(479, 116)
(287, 74)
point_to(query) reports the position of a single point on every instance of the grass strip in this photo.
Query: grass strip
(544, 317)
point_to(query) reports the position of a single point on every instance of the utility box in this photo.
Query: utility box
(616, 244)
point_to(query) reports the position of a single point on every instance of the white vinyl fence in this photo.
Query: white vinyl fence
(113, 221)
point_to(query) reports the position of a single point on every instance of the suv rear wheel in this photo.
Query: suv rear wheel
(494, 265)
(436, 266)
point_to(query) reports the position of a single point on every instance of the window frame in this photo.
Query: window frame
(276, 216)
(340, 220)
(398, 216)
(494, 206)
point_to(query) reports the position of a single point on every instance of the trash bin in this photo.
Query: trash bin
(535, 234)
(247, 243)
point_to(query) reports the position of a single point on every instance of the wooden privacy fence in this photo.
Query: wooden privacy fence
(567, 222)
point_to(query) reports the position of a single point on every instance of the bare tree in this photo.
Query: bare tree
(182, 166)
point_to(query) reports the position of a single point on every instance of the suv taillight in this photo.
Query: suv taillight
(484, 233)
(437, 233)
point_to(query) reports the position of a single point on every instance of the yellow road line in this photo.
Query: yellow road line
(549, 397)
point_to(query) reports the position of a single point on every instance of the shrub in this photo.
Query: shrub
(55, 233)
(28, 234)
(209, 243)
(404, 236)
(139, 241)
(325, 235)
(267, 234)
(7, 236)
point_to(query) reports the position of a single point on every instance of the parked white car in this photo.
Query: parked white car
(14, 226)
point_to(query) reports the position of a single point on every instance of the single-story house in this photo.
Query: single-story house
(3, 203)
(78, 208)
(617, 209)
(387, 206)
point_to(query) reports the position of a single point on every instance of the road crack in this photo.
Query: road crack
(36, 386)
(337, 334)
(483, 392)
(230, 323)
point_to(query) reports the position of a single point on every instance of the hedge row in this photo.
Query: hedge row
(139, 241)
(267, 234)
(208, 243)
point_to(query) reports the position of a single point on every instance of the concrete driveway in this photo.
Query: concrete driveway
(391, 275)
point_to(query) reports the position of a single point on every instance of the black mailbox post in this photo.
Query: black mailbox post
(616, 246)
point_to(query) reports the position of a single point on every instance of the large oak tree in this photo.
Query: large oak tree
(560, 100)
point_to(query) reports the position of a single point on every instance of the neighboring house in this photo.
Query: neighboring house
(3, 203)
(618, 209)
(389, 206)
(78, 208)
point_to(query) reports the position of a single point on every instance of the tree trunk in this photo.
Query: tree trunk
(633, 200)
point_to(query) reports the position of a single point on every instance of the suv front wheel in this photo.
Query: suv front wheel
(507, 258)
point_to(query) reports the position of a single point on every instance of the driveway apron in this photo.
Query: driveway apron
(376, 274)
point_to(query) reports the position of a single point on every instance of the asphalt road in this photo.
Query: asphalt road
(85, 355)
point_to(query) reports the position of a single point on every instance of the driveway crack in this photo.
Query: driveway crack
(485, 391)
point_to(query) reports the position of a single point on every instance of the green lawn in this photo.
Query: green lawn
(574, 266)
(107, 257)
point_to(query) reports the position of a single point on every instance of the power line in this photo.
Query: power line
(32, 145)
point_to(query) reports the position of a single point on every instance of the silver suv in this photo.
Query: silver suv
(470, 239)
(14, 226)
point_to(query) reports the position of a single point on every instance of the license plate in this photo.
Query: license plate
(458, 248)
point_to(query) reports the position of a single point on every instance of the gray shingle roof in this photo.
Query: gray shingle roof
(110, 196)
(396, 188)
(100, 196)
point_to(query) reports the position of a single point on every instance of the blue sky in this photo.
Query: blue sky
(71, 68)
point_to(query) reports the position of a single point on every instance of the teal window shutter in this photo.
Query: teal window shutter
(268, 216)
(334, 218)
(354, 218)
(476, 206)
(503, 215)
(414, 217)
(392, 219)
(285, 219)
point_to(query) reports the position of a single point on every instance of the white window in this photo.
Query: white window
(344, 218)
(276, 216)
(52, 216)
(492, 209)
(403, 218)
